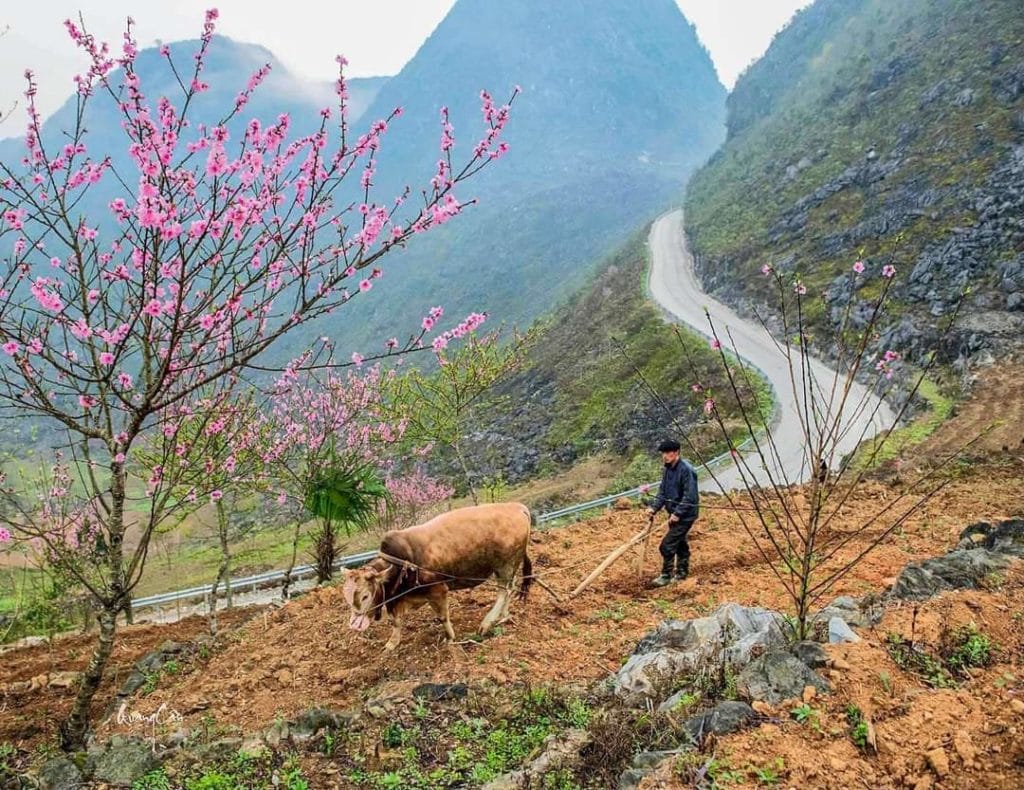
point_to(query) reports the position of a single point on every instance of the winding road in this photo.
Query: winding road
(674, 286)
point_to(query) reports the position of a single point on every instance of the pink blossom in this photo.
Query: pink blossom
(365, 286)
(11, 348)
(888, 271)
(5, 535)
(106, 358)
(357, 359)
(709, 405)
(35, 345)
(858, 267)
(216, 495)
(86, 401)
(766, 270)
(716, 343)
(124, 380)
(153, 308)
(799, 288)
(119, 458)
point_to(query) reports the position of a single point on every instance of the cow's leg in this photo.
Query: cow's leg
(439, 601)
(397, 613)
(401, 607)
(492, 616)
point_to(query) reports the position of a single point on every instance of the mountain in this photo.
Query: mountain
(620, 104)
(868, 129)
(228, 66)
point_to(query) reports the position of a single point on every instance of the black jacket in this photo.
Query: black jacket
(678, 491)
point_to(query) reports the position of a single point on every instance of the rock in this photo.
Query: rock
(761, 707)
(277, 733)
(436, 692)
(863, 613)
(561, 751)
(644, 764)
(938, 762)
(284, 677)
(310, 722)
(219, 751)
(254, 747)
(963, 747)
(839, 663)
(64, 680)
(124, 761)
(1007, 537)
(60, 773)
(724, 718)
(171, 648)
(132, 683)
(1017, 706)
(730, 636)
(839, 631)
(623, 503)
(811, 653)
(776, 676)
(809, 693)
(673, 702)
(961, 568)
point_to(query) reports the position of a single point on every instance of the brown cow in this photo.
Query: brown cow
(453, 551)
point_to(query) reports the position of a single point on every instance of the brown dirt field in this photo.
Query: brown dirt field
(30, 719)
(303, 654)
(974, 727)
(996, 402)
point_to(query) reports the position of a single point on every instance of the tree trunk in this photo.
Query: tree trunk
(295, 550)
(465, 471)
(75, 728)
(223, 572)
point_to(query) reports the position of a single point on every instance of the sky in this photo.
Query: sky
(377, 37)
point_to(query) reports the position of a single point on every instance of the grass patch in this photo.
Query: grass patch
(884, 448)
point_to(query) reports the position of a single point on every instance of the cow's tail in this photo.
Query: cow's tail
(524, 590)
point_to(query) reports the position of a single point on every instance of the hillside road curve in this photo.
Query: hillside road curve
(674, 286)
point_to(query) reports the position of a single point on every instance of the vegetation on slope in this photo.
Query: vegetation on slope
(873, 128)
(581, 395)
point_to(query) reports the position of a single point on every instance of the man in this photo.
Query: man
(678, 495)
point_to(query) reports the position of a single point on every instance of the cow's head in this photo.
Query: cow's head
(364, 591)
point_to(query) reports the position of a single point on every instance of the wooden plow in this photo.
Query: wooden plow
(640, 538)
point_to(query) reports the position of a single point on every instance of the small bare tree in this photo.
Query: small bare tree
(845, 415)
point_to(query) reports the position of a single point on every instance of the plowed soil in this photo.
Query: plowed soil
(303, 655)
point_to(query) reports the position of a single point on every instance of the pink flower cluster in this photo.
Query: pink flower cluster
(885, 364)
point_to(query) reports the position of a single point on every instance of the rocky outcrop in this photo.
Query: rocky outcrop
(727, 639)
(985, 552)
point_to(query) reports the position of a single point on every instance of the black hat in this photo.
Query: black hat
(668, 446)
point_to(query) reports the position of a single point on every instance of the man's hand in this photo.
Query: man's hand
(651, 511)
(673, 519)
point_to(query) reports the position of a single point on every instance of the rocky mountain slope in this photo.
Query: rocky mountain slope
(875, 129)
(620, 104)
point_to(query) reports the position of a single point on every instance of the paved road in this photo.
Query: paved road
(674, 286)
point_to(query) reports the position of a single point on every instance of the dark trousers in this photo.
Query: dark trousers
(675, 547)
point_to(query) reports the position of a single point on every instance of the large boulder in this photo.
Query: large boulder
(124, 761)
(59, 773)
(962, 568)
(777, 676)
(1007, 537)
(724, 718)
(730, 637)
